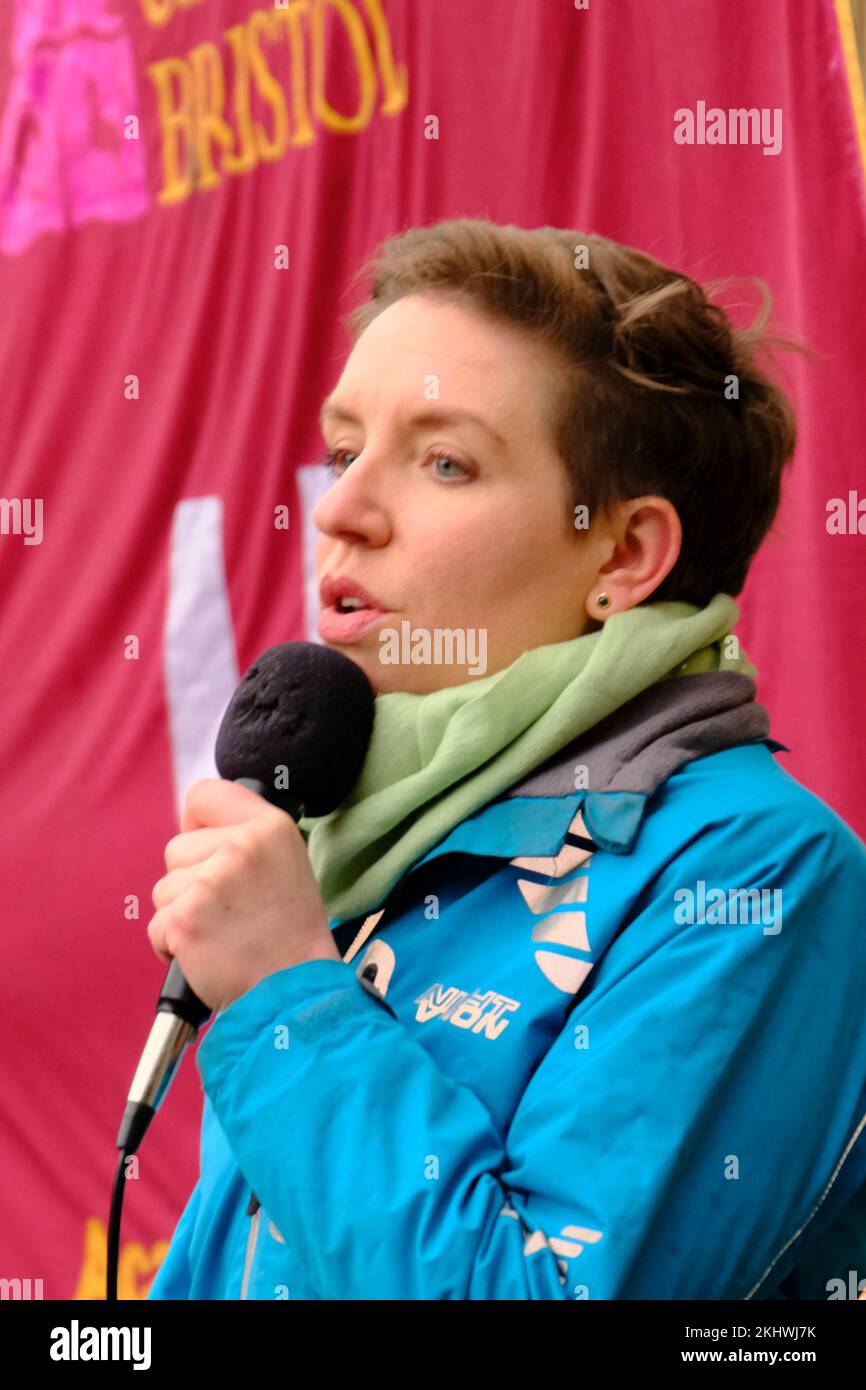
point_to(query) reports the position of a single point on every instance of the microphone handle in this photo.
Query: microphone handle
(179, 1015)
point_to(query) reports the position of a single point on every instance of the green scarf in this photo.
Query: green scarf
(435, 759)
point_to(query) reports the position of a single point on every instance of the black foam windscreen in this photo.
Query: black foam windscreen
(305, 708)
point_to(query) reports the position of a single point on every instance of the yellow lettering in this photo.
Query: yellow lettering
(292, 19)
(261, 23)
(91, 1280)
(247, 159)
(136, 1266)
(395, 81)
(158, 12)
(334, 120)
(210, 95)
(191, 91)
(176, 124)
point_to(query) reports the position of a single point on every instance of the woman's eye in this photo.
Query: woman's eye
(335, 461)
(447, 458)
(332, 460)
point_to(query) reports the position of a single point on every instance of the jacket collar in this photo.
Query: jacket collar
(596, 789)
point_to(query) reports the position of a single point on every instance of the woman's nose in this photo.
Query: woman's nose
(353, 507)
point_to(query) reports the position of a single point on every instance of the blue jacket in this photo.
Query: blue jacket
(605, 1040)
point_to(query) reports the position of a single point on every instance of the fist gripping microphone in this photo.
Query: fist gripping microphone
(301, 708)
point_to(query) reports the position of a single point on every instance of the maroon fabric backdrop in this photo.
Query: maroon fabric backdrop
(162, 361)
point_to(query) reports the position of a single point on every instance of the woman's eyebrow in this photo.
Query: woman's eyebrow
(330, 410)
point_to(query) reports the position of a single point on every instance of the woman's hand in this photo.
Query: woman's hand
(239, 900)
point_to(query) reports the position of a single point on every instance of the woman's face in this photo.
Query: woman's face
(481, 542)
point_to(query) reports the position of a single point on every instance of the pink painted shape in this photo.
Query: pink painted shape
(50, 21)
(63, 155)
(105, 171)
(30, 159)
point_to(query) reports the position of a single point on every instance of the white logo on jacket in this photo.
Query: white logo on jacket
(481, 1013)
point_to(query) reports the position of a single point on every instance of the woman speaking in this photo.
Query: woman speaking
(565, 1000)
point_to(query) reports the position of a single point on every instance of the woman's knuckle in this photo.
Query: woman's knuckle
(188, 905)
(245, 845)
(173, 851)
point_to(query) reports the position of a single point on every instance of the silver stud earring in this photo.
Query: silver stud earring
(603, 600)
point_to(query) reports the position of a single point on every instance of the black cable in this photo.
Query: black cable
(114, 1214)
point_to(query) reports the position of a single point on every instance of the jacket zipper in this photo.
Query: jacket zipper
(254, 1209)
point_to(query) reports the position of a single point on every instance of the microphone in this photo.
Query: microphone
(303, 714)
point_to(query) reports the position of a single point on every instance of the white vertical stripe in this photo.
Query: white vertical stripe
(313, 483)
(201, 669)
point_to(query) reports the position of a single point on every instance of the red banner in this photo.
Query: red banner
(185, 188)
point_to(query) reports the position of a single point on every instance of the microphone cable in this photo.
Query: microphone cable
(114, 1229)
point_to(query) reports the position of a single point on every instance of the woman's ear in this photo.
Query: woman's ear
(648, 536)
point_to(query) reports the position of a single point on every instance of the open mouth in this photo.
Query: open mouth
(347, 620)
(351, 605)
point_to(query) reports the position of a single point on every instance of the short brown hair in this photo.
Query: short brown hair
(641, 405)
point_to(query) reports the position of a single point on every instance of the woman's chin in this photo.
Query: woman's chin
(367, 659)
